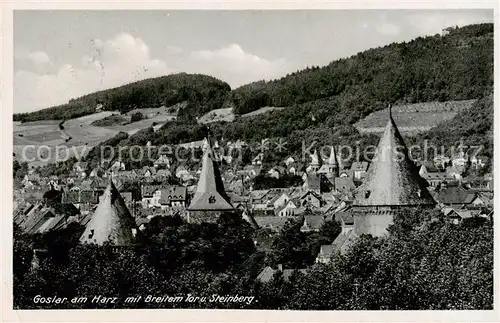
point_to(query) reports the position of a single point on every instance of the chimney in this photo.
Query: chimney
(280, 267)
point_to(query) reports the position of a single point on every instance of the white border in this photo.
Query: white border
(9, 315)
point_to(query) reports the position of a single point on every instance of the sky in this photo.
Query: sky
(59, 55)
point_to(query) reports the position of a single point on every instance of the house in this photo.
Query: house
(181, 171)
(162, 162)
(199, 144)
(290, 208)
(273, 223)
(332, 166)
(459, 160)
(359, 169)
(312, 182)
(435, 178)
(31, 180)
(311, 198)
(150, 195)
(127, 197)
(456, 216)
(250, 170)
(441, 161)
(111, 222)
(289, 161)
(454, 172)
(258, 159)
(426, 167)
(346, 173)
(162, 174)
(173, 196)
(312, 223)
(453, 194)
(98, 172)
(80, 198)
(80, 166)
(276, 172)
(479, 162)
(117, 166)
(342, 242)
(344, 184)
(280, 199)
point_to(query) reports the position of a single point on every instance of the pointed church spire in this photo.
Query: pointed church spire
(392, 178)
(111, 221)
(332, 160)
(210, 194)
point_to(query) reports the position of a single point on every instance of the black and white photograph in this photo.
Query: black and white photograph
(291, 160)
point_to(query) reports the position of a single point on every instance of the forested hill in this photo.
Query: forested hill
(456, 66)
(436, 68)
(201, 92)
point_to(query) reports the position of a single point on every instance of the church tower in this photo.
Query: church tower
(392, 185)
(111, 221)
(210, 198)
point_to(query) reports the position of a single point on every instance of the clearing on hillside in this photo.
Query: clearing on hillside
(412, 118)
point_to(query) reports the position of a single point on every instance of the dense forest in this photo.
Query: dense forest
(457, 66)
(449, 266)
(202, 94)
(436, 68)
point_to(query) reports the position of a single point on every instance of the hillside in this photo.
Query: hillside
(413, 117)
(202, 93)
(324, 104)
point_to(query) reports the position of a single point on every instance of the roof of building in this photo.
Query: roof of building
(149, 190)
(392, 178)
(454, 193)
(344, 241)
(359, 166)
(312, 222)
(312, 181)
(210, 194)
(111, 221)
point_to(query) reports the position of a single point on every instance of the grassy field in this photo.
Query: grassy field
(40, 140)
(225, 114)
(260, 111)
(413, 117)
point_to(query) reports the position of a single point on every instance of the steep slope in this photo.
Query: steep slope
(201, 92)
(457, 66)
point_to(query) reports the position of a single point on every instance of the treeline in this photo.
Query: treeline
(457, 66)
(424, 263)
(201, 92)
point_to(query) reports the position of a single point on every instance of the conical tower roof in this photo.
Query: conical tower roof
(111, 221)
(210, 194)
(392, 178)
